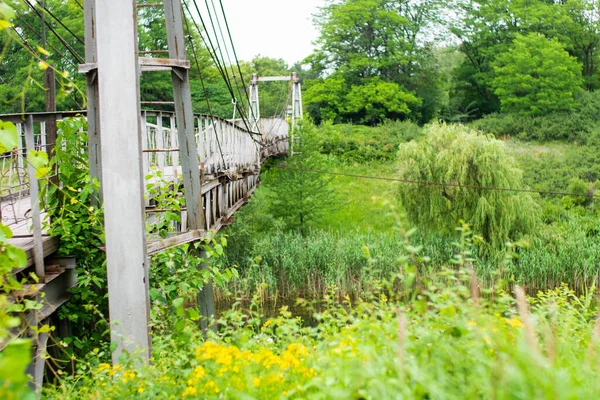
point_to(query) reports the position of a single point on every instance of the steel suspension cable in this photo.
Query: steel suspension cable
(235, 53)
(25, 43)
(441, 184)
(214, 28)
(209, 45)
(59, 37)
(62, 24)
(228, 55)
(187, 27)
(37, 33)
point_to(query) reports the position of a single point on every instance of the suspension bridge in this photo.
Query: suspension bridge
(217, 161)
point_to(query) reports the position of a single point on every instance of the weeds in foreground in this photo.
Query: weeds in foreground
(449, 342)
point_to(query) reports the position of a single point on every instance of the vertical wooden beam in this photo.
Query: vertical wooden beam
(188, 149)
(34, 192)
(121, 150)
(184, 115)
(93, 115)
(254, 111)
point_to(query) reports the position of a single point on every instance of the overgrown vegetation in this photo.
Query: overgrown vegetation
(391, 311)
(446, 342)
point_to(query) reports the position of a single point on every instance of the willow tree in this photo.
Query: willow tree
(464, 165)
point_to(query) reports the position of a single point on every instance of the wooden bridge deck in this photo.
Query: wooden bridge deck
(230, 162)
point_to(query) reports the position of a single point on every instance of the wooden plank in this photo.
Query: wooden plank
(38, 249)
(127, 262)
(91, 56)
(160, 245)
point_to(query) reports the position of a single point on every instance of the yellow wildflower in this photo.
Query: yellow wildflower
(103, 367)
(73, 200)
(211, 386)
(128, 376)
(266, 324)
(256, 382)
(514, 322)
(189, 391)
(199, 372)
(140, 390)
(471, 323)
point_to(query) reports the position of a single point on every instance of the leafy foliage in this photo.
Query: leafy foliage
(382, 64)
(536, 76)
(301, 198)
(443, 341)
(579, 125)
(360, 144)
(15, 354)
(78, 221)
(470, 162)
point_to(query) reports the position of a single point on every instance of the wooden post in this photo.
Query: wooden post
(93, 115)
(121, 160)
(188, 150)
(34, 192)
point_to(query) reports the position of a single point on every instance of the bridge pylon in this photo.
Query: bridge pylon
(113, 65)
(295, 112)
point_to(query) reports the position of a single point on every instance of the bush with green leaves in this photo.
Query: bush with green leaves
(536, 76)
(360, 144)
(74, 217)
(463, 164)
(15, 353)
(579, 125)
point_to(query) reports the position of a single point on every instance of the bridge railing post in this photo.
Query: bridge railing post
(122, 177)
(188, 150)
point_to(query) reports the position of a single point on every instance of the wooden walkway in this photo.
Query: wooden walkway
(230, 162)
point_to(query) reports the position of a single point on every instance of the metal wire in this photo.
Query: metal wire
(441, 184)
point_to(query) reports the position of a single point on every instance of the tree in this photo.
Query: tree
(22, 76)
(583, 32)
(376, 100)
(325, 98)
(366, 41)
(471, 162)
(297, 196)
(487, 28)
(536, 76)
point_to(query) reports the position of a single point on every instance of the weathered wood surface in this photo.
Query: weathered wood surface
(122, 177)
(229, 163)
(229, 160)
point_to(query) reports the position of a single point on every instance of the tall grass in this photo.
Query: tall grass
(287, 264)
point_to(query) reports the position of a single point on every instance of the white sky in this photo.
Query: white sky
(272, 28)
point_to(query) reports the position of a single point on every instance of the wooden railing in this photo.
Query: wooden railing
(230, 159)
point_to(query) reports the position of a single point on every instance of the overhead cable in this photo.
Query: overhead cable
(441, 184)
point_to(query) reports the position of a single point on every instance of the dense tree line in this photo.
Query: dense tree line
(22, 76)
(408, 59)
(374, 60)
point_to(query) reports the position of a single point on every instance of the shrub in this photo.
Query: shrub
(448, 344)
(356, 143)
(470, 162)
(580, 125)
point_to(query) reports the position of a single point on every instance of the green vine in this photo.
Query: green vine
(78, 222)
